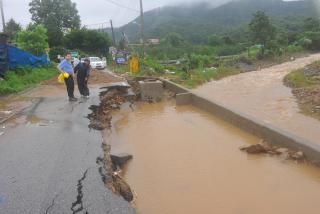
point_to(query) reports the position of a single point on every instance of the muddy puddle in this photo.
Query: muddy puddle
(188, 161)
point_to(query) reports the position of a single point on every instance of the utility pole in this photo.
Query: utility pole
(142, 28)
(2, 16)
(113, 36)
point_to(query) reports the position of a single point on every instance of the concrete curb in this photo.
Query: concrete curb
(259, 128)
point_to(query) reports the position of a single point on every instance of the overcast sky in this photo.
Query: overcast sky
(93, 11)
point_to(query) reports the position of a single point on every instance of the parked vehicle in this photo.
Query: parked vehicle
(97, 63)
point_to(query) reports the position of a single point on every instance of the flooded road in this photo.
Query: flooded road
(261, 94)
(188, 161)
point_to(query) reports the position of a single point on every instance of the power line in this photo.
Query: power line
(123, 6)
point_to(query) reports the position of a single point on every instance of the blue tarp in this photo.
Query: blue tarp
(20, 58)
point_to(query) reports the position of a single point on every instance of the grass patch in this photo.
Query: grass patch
(297, 79)
(200, 76)
(24, 78)
(191, 79)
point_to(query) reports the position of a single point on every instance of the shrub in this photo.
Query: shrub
(152, 63)
(35, 41)
(199, 61)
(23, 78)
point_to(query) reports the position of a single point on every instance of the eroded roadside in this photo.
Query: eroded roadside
(113, 97)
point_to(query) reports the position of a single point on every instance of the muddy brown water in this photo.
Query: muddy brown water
(188, 161)
(263, 95)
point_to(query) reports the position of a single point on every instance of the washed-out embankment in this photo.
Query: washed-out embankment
(115, 97)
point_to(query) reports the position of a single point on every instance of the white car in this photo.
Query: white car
(97, 63)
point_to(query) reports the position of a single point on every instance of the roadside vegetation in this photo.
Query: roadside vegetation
(54, 30)
(257, 45)
(188, 55)
(305, 84)
(24, 78)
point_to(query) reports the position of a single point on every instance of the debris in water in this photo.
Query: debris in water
(120, 159)
(111, 99)
(254, 149)
(6, 112)
(265, 148)
(113, 179)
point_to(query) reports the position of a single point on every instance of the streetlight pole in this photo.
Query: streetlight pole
(142, 28)
(2, 16)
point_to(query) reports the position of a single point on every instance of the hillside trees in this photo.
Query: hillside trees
(261, 30)
(174, 39)
(311, 37)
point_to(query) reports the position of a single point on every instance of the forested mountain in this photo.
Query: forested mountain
(195, 22)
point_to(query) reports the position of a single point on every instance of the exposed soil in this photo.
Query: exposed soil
(112, 98)
(12, 104)
(309, 101)
(308, 95)
(98, 77)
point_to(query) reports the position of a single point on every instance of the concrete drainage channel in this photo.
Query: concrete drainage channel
(267, 132)
(123, 97)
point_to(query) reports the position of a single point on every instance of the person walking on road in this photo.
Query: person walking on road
(66, 67)
(83, 72)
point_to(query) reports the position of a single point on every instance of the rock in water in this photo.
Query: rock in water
(297, 156)
(120, 159)
(254, 149)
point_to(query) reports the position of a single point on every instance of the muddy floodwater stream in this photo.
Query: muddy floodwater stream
(262, 95)
(188, 161)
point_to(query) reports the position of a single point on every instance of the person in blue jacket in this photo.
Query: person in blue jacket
(66, 67)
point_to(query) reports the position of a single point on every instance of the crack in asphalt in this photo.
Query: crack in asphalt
(77, 206)
(51, 205)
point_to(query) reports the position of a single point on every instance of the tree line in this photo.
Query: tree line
(260, 33)
(56, 26)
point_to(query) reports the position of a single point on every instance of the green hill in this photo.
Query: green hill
(195, 22)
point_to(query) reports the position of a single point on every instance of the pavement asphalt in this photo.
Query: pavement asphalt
(48, 163)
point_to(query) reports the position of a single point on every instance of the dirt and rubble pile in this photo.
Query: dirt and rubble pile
(111, 99)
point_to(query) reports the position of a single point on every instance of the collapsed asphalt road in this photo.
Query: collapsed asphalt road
(48, 163)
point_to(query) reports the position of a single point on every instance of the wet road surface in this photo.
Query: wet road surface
(262, 94)
(188, 161)
(48, 162)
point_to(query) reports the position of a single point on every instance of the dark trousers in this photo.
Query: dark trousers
(83, 85)
(70, 86)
